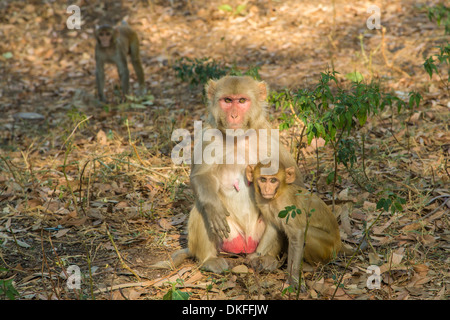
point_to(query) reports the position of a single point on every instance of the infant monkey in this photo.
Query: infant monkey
(273, 193)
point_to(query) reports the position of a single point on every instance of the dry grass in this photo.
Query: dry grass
(104, 195)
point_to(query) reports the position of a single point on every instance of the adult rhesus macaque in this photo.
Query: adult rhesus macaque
(225, 216)
(275, 192)
(112, 46)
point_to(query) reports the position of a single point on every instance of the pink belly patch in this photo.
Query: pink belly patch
(239, 245)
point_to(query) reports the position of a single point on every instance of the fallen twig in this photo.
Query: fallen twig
(138, 284)
(124, 265)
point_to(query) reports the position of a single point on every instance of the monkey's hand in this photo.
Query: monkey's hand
(206, 188)
(217, 217)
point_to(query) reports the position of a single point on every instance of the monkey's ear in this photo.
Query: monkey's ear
(210, 89)
(263, 88)
(290, 175)
(249, 172)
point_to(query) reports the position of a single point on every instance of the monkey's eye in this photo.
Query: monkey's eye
(242, 100)
(262, 179)
(273, 180)
(227, 100)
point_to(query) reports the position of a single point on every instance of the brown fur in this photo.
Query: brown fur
(213, 204)
(123, 41)
(255, 118)
(323, 241)
(221, 213)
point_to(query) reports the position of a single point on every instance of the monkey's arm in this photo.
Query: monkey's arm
(265, 257)
(206, 188)
(270, 241)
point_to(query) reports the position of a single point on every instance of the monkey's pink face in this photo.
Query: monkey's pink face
(235, 108)
(105, 38)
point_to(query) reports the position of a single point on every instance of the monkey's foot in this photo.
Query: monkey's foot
(264, 263)
(142, 91)
(294, 283)
(216, 265)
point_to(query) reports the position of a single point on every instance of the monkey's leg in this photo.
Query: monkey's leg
(202, 246)
(100, 80)
(321, 246)
(265, 257)
(124, 75)
(295, 255)
(137, 66)
(175, 260)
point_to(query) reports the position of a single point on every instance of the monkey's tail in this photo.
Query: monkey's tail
(350, 251)
(175, 260)
(347, 250)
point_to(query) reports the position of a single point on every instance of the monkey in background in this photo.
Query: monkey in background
(273, 193)
(113, 44)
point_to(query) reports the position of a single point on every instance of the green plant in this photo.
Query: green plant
(7, 288)
(253, 72)
(442, 14)
(326, 114)
(354, 76)
(77, 117)
(391, 202)
(289, 211)
(443, 57)
(240, 9)
(176, 294)
(347, 152)
(220, 283)
(333, 113)
(199, 71)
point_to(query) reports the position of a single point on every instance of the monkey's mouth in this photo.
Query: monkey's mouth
(235, 125)
(268, 195)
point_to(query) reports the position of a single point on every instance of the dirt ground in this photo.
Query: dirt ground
(103, 195)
